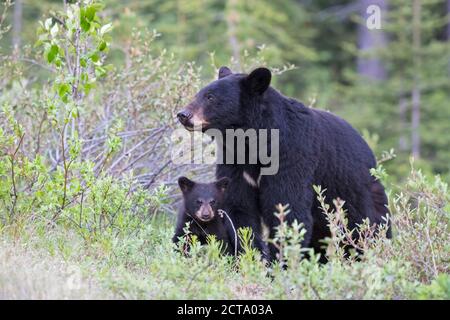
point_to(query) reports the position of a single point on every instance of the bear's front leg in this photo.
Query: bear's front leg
(298, 196)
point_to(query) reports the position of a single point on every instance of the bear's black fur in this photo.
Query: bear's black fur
(316, 148)
(200, 208)
(242, 202)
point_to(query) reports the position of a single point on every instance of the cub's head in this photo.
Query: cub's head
(219, 105)
(203, 200)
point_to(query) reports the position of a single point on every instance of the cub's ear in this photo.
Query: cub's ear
(259, 80)
(185, 184)
(223, 72)
(222, 184)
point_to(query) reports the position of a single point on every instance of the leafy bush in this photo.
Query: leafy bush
(67, 157)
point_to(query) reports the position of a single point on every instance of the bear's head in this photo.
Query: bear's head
(220, 105)
(203, 200)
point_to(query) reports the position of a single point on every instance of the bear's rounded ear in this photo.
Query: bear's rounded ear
(185, 184)
(259, 80)
(222, 183)
(223, 72)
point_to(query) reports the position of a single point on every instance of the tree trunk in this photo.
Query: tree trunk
(369, 41)
(448, 24)
(402, 109)
(416, 94)
(17, 25)
(181, 24)
(448, 30)
(232, 20)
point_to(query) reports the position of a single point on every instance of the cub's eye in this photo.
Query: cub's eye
(212, 202)
(199, 201)
(210, 97)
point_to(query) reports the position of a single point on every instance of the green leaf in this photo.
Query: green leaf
(102, 46)
(95, 57)
(107, 38)
(61, 52)
(106, 28)
(74, 113)
(109, 67)
(90, 13)
(52, 53)
(65, 98)
(100, 72)
(85, 25)
(54, 30)
(87, 87)
(48, 23)
(98, 6)
(70, 13)
(40, 30)
(63, 89)
(38, 43)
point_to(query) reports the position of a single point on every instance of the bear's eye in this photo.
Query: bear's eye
(199, 201)
(212, 202)
(210, 97)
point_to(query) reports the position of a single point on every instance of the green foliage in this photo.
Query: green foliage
(318, 37)
(288, 238)
(74, 43)
(385, 107)
(438, 289)
(4, 29)
(73, 192)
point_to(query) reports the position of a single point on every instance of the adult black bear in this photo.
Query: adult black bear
(315, 148)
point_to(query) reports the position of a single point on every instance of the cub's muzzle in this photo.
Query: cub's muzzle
(205, 213)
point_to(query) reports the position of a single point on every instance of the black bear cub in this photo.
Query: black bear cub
(201, 208)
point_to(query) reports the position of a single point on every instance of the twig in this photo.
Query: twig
(127, 153)
(156, 174)
(13, 177)
(141, 156)
(37, 63)
(223, 212)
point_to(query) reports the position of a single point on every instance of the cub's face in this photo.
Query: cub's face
(202, 200)
(218, 105)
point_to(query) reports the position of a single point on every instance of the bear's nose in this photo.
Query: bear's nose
(184, 116)
(206, 216)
